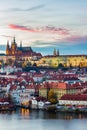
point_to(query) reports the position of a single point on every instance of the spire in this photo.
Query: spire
(20, 44)
(8, 44)
(58, 52)
(14, 40)
(54, 52)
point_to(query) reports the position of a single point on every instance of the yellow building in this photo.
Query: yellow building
(58, 87)
(65, 60)
(77, 60)
(2, 58)
(43, 92)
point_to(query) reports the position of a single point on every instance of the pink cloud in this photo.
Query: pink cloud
(51, 29)
(76, 38)
(45, 29)
(18, 27)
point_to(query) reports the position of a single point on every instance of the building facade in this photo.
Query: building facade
(15, 50)
(20, 53)
(65, 60)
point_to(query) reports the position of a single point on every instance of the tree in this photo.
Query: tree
(29, 64)
(10, 98)
(52, 97)
(60, 65)
(34, 64)
(24, 64)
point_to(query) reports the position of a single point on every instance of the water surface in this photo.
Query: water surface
(40, 120)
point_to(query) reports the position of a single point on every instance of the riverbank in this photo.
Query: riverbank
(57, 108)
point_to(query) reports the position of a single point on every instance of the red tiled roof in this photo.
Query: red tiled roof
(4, 99)
(76, 97)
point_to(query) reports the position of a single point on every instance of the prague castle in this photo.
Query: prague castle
(56, 60)
(14, 50)
(23, 54)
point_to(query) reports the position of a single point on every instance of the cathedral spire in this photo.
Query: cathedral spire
(58, 52)
(54, 52)
(7, 48)
(8, 44)
(14, 39)
(20, 44)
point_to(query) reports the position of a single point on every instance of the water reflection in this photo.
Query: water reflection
(65, 116)
(39, 114)
(42, 120)
(24, 112)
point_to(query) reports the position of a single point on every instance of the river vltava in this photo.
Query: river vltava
(40, 120)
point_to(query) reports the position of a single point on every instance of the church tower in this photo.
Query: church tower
(8, 51)
(13, 47)
(54, 52)
(58, 52)
(20, 44)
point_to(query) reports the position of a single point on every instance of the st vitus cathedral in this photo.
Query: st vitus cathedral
(15, 50)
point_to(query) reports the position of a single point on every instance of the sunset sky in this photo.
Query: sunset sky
(45, 24)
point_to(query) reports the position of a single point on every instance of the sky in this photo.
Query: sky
(45, 25)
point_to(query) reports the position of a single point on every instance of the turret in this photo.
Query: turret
(58, 52)
(20, 44)
(54, 52)
(7, 48)
(13, 46)
(14, 40)
(7, 44)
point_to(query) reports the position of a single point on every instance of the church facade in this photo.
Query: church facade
(16, 51)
